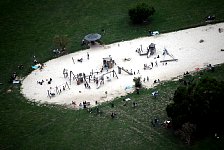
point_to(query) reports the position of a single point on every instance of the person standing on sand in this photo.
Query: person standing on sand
(87, 55)
(156, 64)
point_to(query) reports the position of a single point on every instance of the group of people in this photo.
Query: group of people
(42, 81)
(84, 104)
(87, 86)
(146, 79)
(65, 73)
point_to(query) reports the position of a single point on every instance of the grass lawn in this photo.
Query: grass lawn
(27, 28)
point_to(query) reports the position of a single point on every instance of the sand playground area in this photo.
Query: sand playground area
(103, 73)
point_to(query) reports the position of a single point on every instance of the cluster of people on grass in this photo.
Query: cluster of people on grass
(156, 123)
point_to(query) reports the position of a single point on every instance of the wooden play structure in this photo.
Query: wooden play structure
(151, 50)
(80, 78)
(125, 70)
(108, 62)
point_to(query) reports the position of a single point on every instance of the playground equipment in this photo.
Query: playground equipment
(80, 78)
(57, 90)
(147, 67)
(165, 52)
(125, 70)
(151, 50)
(65, 73)
(74, 77)
(73, 60)
(114, 73)
(108, 62)
(101, 82)
(83, 78)
(101, 78)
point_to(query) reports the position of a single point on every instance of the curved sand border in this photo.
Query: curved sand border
(183, 45)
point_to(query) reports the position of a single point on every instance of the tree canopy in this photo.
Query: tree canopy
(61, 41)
(200, 104)
(140, 13)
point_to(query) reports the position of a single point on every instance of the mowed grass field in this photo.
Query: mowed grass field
(27, 28)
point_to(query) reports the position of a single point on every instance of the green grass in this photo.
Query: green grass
(27, 28)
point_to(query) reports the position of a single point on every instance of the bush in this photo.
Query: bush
(199, 103)
(140, 13)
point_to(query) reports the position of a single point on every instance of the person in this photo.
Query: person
(147, 78)
(155, 94)
(113, 115)
(84, 104)
(137, 90)
(20, 66)
(41, 66)
(35, 61)
(49, 82)
(79, 60)
(97, 110)
(87, 55)
(83, 42)
(155, 81)
(134, 104)
(73, 102)
(80, 105)
(152, 123)
(156, 64)
(90, 110)
(152, 64)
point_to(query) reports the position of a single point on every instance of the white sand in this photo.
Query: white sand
(184, 45)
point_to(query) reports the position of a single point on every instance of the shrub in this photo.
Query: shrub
(140, 13)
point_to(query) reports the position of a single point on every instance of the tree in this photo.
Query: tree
(140, 13)
(186, 132)
(200, 104)
(138, 83)
(61, 41)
